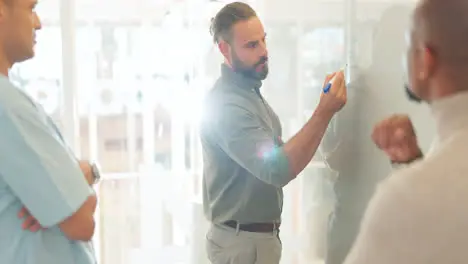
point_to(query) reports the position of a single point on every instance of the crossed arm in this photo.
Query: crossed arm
(30, 223)
(44, 175)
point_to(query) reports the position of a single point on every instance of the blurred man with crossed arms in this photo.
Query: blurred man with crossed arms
(46, 198)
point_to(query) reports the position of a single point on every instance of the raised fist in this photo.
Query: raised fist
(396, 137)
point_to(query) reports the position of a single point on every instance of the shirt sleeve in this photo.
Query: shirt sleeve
(240, 134)
(38, 168)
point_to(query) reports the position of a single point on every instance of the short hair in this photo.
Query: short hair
(444, 25)
(227, 17)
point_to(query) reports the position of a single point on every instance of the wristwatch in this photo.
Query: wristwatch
(95, 172)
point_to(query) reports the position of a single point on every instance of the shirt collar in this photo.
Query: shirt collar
(450, 114)
(239, 79)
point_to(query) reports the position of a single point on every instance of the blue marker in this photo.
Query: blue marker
(327, 87)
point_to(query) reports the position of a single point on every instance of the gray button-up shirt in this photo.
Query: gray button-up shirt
(245, 166)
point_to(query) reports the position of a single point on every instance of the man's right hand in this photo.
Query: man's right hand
(29, 222)
(334, 100)
(85, 167)
(396, 137)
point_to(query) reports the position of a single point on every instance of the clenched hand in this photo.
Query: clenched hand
(395, 136)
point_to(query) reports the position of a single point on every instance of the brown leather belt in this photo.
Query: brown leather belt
(254, 227)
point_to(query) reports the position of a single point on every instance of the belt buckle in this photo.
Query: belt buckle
(276, 226)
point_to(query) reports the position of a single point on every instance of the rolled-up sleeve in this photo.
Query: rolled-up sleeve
(240, 134)
(39, 169)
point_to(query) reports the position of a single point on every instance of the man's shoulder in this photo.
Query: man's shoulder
(7, 88)
(12, 98)
(221, 96)
(221, 103)
(412, 175)
(416, 205)
(433, 177)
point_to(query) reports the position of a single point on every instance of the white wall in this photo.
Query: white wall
(376, 92)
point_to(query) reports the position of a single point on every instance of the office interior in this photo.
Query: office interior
(125, 80)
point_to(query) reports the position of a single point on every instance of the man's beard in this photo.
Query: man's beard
(250, 71)
(411, 96)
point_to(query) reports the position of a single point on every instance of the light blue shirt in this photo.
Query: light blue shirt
(39, 171)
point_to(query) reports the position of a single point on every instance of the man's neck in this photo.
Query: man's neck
(5, 64)
(450, 113)
(448, 84)
(4, 67)
(4, 71)
(239, 79)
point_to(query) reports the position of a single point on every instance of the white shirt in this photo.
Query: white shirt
(419, 215)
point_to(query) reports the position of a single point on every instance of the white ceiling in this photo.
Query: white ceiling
(270, 10)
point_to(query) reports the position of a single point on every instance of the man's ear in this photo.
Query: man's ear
(428, 62)
(2, 10)
(224, 48)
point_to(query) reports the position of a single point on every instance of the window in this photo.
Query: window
(137, 62)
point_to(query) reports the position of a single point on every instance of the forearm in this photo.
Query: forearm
(81, 225)
(301, 148)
